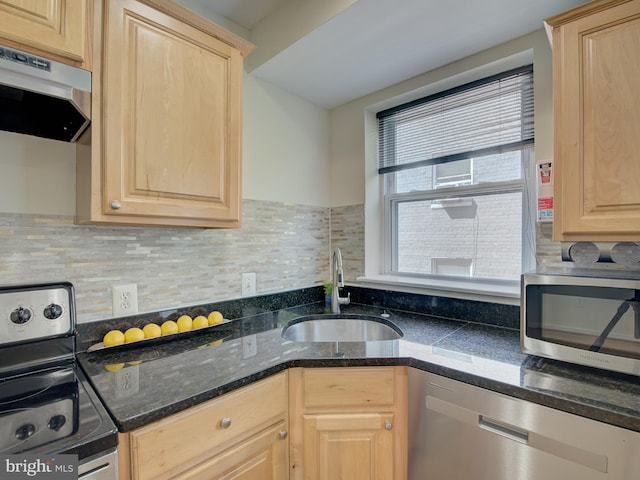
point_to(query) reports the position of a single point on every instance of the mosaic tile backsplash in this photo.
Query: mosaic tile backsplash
(286, 245)
(347, 233)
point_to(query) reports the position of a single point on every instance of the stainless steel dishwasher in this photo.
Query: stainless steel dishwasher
(461, 432)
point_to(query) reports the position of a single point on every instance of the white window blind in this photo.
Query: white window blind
(490, 116)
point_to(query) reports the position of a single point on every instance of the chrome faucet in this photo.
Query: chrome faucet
(338, 281)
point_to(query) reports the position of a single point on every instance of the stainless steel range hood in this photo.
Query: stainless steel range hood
(43, 98)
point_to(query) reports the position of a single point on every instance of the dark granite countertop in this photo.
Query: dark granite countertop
(141, 384)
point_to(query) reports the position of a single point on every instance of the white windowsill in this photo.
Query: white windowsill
(482, 292)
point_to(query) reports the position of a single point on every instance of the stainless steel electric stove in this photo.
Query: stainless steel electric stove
(47, 405)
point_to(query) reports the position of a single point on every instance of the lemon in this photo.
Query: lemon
(216, 343)
(185, 323)
(169, 327)
(215, 318)
(114, 367)
(133, 334)
(114, 337)
(200, 322)
(151, 330)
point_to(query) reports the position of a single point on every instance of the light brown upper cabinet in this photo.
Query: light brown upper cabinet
(166, 130)
(56, 27)
(596, 67)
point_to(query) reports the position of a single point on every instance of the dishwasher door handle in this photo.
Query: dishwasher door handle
(503, 429)
(470, 417)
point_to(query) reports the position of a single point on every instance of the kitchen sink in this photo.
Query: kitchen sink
(340, 328)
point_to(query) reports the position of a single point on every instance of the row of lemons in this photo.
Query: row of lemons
(184, 324)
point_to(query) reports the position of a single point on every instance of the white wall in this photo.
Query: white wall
(37, 176)
(286, 146)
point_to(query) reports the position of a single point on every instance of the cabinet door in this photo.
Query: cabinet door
(596, 122)
(353, 446)
(262, 457)
(56, 26)
(172, 121)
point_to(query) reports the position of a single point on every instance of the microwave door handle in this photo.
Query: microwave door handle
(622, 309)
(635, 304)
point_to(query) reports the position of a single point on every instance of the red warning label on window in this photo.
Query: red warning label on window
(545, 203)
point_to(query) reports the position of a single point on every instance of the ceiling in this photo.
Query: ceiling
(365, 45)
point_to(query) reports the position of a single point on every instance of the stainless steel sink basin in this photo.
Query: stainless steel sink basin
(340, 328)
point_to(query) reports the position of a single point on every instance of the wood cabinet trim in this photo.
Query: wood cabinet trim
(191, 18)
(583, 10)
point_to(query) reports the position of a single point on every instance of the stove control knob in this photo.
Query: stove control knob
(53, 311)
(20, 315)
(25, 431)
(57, 422)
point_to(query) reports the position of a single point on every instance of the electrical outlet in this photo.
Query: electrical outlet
(124, 299)
(127, 381)
(249, 346)
(248, 284)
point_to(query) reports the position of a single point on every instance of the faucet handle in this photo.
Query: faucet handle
(345, 300)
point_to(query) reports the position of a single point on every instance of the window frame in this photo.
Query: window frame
(390, 202)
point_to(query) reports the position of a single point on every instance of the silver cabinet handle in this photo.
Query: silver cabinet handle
(225, 422)
(388, 425)
(283, 434)
(115, 205)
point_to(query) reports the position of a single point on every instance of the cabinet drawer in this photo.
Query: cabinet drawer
(349, 387)
(181, 441)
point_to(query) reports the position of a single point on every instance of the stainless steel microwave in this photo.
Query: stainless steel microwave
(586, 320)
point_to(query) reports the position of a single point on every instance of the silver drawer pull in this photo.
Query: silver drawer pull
(115, 205)
(388, 425)
(283, 434)
(225, 422)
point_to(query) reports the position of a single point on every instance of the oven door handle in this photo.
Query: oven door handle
(94, 471)
(101, 468)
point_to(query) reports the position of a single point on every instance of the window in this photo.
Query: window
(455, 168)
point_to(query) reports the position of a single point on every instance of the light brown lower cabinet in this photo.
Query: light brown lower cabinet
(240, 435)
(302, 424)
(348, 423)
(354, 446)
